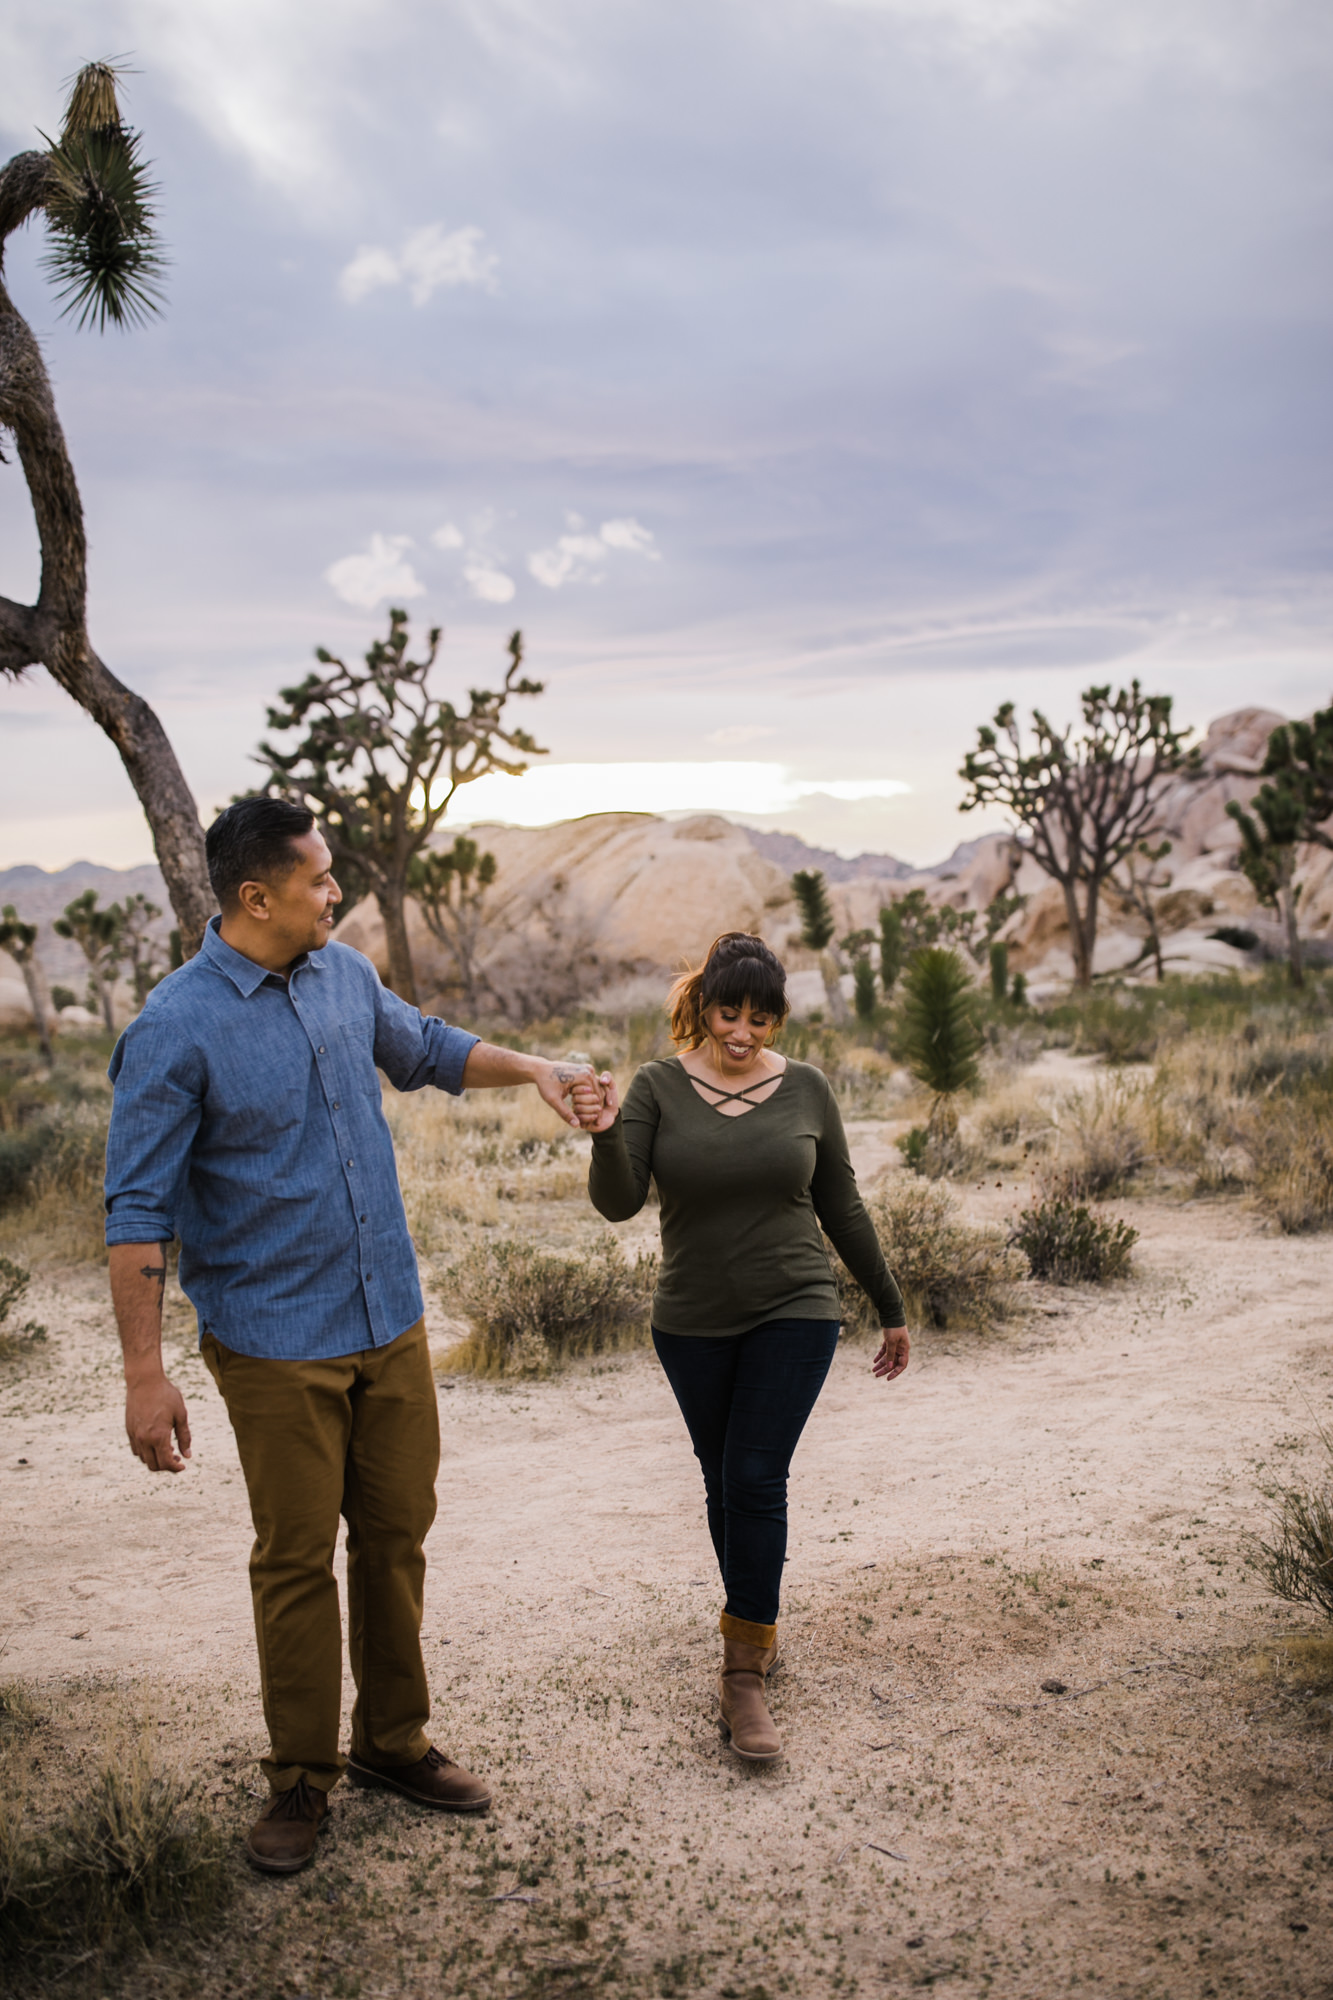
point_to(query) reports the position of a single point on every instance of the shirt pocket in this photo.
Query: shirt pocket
(355, 1036)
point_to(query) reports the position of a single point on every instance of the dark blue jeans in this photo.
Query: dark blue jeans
(745, 1400)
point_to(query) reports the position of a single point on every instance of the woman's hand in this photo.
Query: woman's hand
(597, 1102)
(894, 1349)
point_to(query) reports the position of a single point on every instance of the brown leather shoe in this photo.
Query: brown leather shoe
(740, 1689)
(433, 1781)
(283, 1838)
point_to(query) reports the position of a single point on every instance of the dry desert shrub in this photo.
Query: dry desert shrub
(15, 1340)
(1068, 1243)
(1297, 1565)
(1105, 1135)
(530, 1310)
(950, 1274)
(461, 1159)
(1015, 1117)
(1292, 1143)
(130, 1859)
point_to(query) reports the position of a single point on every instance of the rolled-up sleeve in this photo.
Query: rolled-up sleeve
(415, 1049)
(159, 1089)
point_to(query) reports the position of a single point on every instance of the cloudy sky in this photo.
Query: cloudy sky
(804, 377)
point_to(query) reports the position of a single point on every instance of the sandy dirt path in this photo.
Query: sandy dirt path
(1063, 1504)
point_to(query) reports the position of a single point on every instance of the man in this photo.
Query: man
(247, 1122)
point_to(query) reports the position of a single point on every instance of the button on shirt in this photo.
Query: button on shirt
(247, 1121)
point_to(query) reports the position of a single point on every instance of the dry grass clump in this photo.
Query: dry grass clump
(130, 1859)
(1297, 1564)
(462, 1160)
(15, 1341)
(1068, 1243)
(530, 1310)
(950, 1274)
(1291, 1140)
(53, 1121)
(1105, 1135)
(1013, 1120)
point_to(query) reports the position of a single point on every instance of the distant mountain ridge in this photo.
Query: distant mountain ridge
(790, 852)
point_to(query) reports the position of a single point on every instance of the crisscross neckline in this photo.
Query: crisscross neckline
(741, 1096)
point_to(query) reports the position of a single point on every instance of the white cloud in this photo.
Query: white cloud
(448, 537)
(378, 572)
(369, 269)
(491, 585)
(630, 534)
(570, 557)
(567, 560)
(558, 791)
(427, 261)
(740, 732)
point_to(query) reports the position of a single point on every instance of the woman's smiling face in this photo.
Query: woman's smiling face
(738, 1034)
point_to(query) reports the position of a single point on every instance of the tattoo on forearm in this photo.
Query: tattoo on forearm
(158, 1271)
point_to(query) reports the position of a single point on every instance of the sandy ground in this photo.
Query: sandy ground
(1066, 1504)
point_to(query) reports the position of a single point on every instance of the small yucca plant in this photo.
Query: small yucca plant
(938, 1034)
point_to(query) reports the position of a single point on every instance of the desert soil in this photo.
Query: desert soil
(1066, 1503)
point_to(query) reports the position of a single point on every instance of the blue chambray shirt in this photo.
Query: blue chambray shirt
(247, 1121)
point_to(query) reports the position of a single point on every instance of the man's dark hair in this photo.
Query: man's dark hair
(252, 842)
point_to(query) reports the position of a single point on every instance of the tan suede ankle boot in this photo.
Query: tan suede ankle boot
(745, 1713)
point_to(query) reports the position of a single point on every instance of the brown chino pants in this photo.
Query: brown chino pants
(358, 1436)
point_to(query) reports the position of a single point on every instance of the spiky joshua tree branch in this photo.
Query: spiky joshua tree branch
(91, 187)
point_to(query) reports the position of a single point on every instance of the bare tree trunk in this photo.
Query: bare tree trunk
(1080, 947)
(104, 986)
(837, 1004)
(39, 999)
(53, 632)
(402, 978)
(1289, 895)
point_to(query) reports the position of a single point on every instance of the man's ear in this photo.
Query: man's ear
(253, 899)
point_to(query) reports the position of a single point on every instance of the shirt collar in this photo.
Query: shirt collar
(244, 974)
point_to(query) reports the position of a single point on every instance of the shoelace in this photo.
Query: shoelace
(294, 1803)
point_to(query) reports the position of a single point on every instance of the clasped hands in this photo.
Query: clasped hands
(583, 1099)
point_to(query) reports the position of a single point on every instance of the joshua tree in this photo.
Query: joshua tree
(20, 941)
(140, 948)
(1300, 758)
(1139, 885)
(99, 935)
(892, 949)
(811, 893)
(1080, 804)
(1270, 835)
(382, 758)
(938, 1033)
(105, 262)
(999, 970)
(450, 891)
(817, 927)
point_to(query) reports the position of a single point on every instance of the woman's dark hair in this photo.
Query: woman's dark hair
(739, 967)
(252, 842)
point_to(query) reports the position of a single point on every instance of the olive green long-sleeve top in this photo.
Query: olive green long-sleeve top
(742, 1202)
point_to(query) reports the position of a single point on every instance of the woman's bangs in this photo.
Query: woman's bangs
(743, 979)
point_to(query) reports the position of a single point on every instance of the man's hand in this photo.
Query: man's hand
(154, 1413)
(894, 1349)
(154, 1407)
(597, 1103)
(557, 1082)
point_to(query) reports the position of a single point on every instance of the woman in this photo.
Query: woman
(748, 1152)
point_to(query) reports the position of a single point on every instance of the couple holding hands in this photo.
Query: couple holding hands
(247, 1122)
